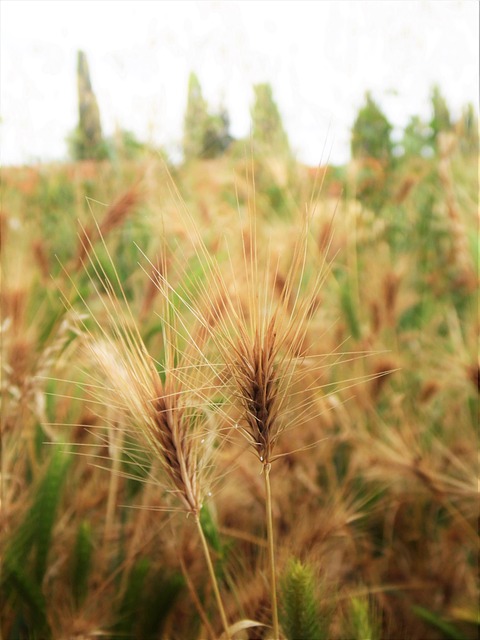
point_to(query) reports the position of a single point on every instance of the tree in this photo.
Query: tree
(371, 133)
(195, 121)
(467, 131)
(267, 128)
(216, 136)
(441, 120)
(205, 135)
(417, 138)
(86, 141)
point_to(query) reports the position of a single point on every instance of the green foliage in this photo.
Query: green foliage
(467, 131)
(127, 146)
(268, 133)
(27, 595)
(195, 120)
(205, 135)
(52, 206)
(159, 596)
(372, 149)
(301, 618)
(417, 138)
(371, 133)
(131, 603)
(210, 529)
(216, 137)
(363, 622)
(21, 579)
(349, 308)
(448, 631)
(81, 562)
(441, 119)
(36, 530)
(103, 273)
(45, 507)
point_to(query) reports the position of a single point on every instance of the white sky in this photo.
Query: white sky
(319, 56)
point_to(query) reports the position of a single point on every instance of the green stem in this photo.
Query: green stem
(213, 577)
(271, 551)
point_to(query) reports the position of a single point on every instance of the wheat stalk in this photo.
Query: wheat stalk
(261, 337)
(167, 405)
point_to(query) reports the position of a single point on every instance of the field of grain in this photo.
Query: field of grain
(239, 402)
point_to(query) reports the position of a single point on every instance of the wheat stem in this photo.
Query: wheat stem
(213, 577)
(271, 550)
(113, 486)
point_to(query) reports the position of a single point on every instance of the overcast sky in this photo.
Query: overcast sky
(319, 56)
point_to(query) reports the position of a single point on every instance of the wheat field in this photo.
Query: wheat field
(237, 402)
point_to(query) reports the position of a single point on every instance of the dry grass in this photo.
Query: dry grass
(341, 356)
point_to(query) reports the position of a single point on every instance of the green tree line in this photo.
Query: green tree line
(206, 132)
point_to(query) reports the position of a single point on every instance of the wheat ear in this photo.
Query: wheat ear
(169, 410)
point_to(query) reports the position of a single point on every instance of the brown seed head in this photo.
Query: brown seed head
(382, 371)
(473, 373)
(255, 372)
(41, 258)
(429, 389)
(391, 286)
(114, 217)
(118, 212)
(167, 416)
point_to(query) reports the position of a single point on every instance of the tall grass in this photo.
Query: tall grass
(225, 416)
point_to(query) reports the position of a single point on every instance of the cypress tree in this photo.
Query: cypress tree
(371, 133)
(267, 127)
(195, 121)
(441, 120)
(87, 139)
